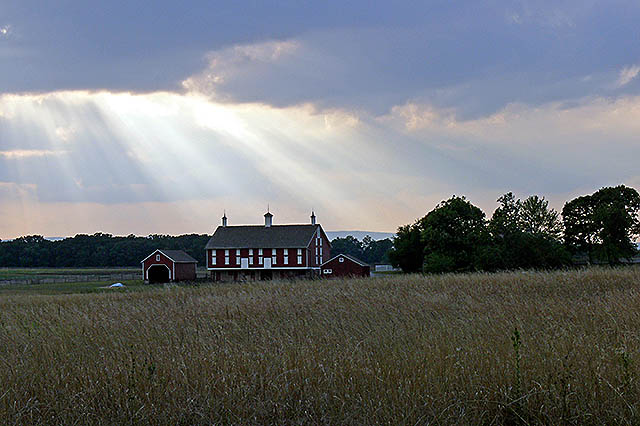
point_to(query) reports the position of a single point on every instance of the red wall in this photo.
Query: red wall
(164, 260)
(348, 268)
(267, 252)
(183, 271)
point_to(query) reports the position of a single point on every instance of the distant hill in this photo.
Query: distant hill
(359, 234)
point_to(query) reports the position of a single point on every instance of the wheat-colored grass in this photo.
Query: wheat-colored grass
(398, 350)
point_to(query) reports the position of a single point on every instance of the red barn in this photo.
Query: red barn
(344, 265)
(251, 252)
(163, 266)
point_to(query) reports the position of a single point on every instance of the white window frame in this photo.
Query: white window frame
(213, 257)
(300, 260)
(327, 271)
(226, 257)
(299, 252)
(157, 258)
(341, 259)
(286, 260)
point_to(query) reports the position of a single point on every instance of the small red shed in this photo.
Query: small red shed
(344, 265)
(163, 266)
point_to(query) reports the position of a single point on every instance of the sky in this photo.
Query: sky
(157, 117)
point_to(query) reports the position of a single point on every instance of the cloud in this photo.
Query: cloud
(228, 64)
(131, 152)
(26, 153)
(627, 74)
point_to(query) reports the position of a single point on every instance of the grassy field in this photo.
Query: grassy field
(511, 348)
(72, 288)
(18, 273)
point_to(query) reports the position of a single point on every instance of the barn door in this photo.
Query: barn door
(267, 263)
(244, 263)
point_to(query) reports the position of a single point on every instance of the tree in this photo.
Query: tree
(538, 219)
(603, 224)
(524, 234)
(376, 251)
(347, 245)
(452, 234)
(408, 248)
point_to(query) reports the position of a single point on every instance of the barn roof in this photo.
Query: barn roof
(259, 236)
(178, 256)
(348, 256)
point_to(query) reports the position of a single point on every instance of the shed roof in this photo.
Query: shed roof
(348, 256)
(178, 256)
(259, 236)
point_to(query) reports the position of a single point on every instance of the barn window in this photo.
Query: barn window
(250, 256)
(320, 241)
(273, 257)
(317, 260)
(157, 258)
(299, 260)
(213, 257)
(226, 257)
(260, 252)
(299, 252)
(327, 271)
(341, 259)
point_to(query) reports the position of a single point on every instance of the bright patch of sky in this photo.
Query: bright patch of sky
(123, 118)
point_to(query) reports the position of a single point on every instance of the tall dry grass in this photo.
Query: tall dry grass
(394, 350)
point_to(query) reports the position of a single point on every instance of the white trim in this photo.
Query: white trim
(261, 269)
(346, 256)
(168, 257)
(154, 252)
(160, 264)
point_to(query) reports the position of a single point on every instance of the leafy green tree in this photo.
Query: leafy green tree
(524, 234)
(538, 219)
(347, 245)
(603, 224)
(452, 235)
(376, 251)
(367, 250)
(408, 248)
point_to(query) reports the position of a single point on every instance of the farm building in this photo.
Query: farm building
(163, 266)
(344, 265)
(251, 252)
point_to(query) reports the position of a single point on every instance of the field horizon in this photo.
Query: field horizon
(507, 348)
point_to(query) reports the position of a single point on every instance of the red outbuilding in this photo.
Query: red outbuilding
(344, 265)
(163, 266)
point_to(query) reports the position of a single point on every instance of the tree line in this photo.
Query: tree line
(521, 234)
(106, 250)
(368, 250)
(97, 250)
